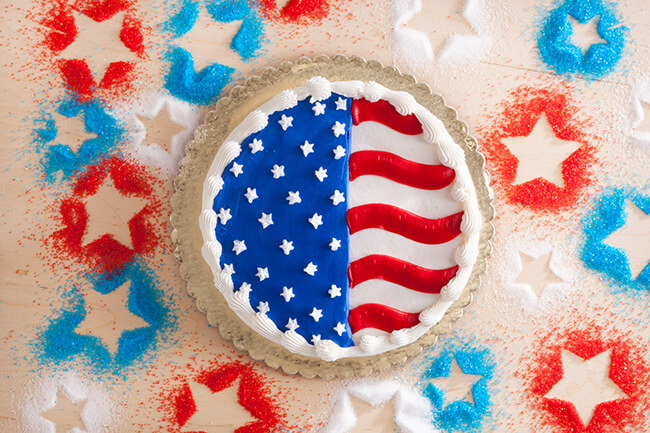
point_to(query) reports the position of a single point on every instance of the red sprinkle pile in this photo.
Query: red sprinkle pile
(105, 254)
(628, 369)
(518, 117)
(297, 11)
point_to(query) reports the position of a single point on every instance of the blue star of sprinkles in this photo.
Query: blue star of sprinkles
(204, 86)
(59, 342)
(563, 57)
(59, 157)
(461, 415)
(607, 216)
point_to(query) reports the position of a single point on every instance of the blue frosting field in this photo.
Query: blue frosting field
(291, 221)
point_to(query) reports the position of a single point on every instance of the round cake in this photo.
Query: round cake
(340, 220)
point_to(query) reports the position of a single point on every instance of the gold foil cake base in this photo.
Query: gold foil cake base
(187, 202)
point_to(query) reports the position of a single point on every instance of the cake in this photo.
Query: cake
(339, 219)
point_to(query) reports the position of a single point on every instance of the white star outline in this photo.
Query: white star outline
(412, 410)
(180, 112)
(458, 49)
(640, 95)
(96, 413)
(524, 293)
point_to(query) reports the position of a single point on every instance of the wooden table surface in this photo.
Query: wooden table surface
(38, 280)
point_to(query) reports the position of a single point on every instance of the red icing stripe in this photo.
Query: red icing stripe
(393, 167)
(400, 272)
(384, 113)
(407, 224)
(380, 317)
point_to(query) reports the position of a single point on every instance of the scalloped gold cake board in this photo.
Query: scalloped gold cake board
(186, 203)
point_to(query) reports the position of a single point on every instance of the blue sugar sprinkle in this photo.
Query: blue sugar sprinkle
(59, 157)
(461, 415)
(557, 51)
(203, 87)
(59, 342)
(607, 216)
(184, 20)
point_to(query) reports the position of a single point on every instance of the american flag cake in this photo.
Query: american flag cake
(340, 219)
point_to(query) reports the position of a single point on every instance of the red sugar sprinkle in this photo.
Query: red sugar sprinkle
(628, 369)
(105, 254)
(297, 11)
(518, 118)
(62, 31)
(253, 395)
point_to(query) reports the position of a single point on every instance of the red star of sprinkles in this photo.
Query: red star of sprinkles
(61, 31)
(628, 370)
(517, 118)
(104, 253)
(252, 393)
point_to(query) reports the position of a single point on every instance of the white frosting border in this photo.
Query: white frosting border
(450, 154)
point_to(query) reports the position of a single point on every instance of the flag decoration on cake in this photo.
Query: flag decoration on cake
(337, 218)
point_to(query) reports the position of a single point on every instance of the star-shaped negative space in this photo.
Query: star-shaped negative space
(535, 274)
(228, 398)
(74, 135)
(96, 45)
(640, 114)
(63, 402)
(379, 406)
(417, 37)
(230, 31)
(616, 238)
(457, 384)
(110, 217)
(585, 381)
(160, 126)
(537, 150)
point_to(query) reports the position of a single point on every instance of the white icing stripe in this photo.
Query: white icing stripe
(425, 203)
(410, 147)
(377, 241)
(372, 135)
(391, 295)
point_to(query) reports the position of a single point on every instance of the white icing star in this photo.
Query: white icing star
(307, 148)
(224, 215)
(339, 152)
(339, 328)
(287, 293)
(286, 246)
(341, 104)
(321, 174)
(278, 171)
(263, 307)
(316, 314)
(285, 122)
(311, 269)
(262, 273)
(228, 269)
(335, 244)
(334, 291)
(294, 197)
(337, 197)
(251, 194)
(315, 220)
(245, 288)
(236, 169)
(292, 324)
(238, 246)
(338, 128)
(318, 109)
(266, 220)
(256, 145)
(315, 339)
